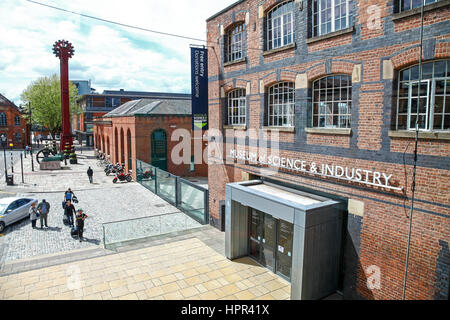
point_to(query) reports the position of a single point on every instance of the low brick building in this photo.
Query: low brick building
(12, 124)
(144, 129)
(316, 103)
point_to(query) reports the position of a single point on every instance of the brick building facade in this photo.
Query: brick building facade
(12, 124)
(338, 87)
(129, 132)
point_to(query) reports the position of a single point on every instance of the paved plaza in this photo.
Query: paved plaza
(103, 202)
(186, 269)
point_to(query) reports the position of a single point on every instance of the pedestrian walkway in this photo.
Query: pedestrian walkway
(186, 269)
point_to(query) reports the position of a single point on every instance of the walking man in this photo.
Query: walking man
(44, 208)
(68, 195)
(80, 216)
(90, 173)
(33, 215)
(69, 211)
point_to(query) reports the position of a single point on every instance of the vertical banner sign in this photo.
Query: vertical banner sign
(199, 84)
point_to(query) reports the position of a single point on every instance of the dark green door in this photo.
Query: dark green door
(159, 149)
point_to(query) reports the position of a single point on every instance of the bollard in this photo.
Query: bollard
(12, 163)
(21, 166)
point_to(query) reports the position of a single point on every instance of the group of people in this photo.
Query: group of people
(75, 218)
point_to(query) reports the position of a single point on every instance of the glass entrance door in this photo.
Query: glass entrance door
(284, 248)
(270, 242)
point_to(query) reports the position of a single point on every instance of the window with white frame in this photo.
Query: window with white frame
(3, 119)
(236, 107)
(331, 15)
(280, 106)
(405, 5)
(235, 43)
(332, 102)
(17, 121)
(430, 99)
(280, 25)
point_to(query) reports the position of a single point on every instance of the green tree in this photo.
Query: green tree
(44, 97)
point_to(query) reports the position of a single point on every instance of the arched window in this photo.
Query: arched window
(17, 121)
(433, 97)
(236, 107)
(331, 15)
(280, 25)
(235, 43)
(332, 102)
(281, 101)
(3, 119)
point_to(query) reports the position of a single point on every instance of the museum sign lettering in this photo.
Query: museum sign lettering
(368, 177)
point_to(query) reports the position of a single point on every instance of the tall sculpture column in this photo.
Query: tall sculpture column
(64, 51)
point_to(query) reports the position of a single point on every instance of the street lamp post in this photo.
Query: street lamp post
(31, 144)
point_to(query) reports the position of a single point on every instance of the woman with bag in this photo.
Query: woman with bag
(34, 214)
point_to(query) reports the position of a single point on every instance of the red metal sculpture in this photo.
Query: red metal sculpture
(64, 51)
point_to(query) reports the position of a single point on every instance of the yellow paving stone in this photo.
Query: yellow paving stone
(182, 284)
(232, 278)
(228, 270)
(157, 282)
(78, 293)
(88, 290)
(190, 273)
(280, 294)
(193, 280)
(157, 298)
(230, 289)
(142, 295)
(189, 292)
(201, 288)
(266, 297)
(168, 279)
(223, 281)
(111, 276)
(95, 296)
(106, 295)
(134, 271)
(154, 292)
(13, 292)
(117, 284)
(197, 297)
(170, 287)
(273, 285)
(41, 294)
(135, 287)
(142, 277)
(179, 276)
(214, 274)
(211, 285)
(203, 269)
(53, 291)
(23, 296)
(118, 292)
(262, 289)
(255, 292)
(24, 282)
(148, 284)
(245, 295)
(44, 284)
(131, 296)
(64, 296)
(176, 295)
(241, 285)
(220, 293)
(208, 295)
(59, 281)
(100, 287)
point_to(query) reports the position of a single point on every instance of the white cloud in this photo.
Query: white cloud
(113, 57)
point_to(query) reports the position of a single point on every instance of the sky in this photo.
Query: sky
(111, 56)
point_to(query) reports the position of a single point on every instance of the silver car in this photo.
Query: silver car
(13, 209)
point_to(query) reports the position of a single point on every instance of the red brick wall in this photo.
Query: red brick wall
(11, 129)
(384, 229)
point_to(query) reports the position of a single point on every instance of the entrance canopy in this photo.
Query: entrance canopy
(312, 223)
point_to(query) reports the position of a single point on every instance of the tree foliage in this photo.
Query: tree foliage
(44, 97)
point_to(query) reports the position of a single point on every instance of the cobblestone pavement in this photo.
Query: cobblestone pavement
(102, 202)
(186, 269)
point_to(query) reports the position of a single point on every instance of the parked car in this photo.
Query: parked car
(13, 209)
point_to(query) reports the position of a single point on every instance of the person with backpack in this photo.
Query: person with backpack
(90, 173)
(69, 195)
(80, 217)
(44, 209)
